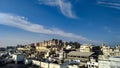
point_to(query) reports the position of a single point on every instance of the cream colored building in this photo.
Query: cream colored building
(53, 44)
(105, 49)
(38, 48)
(23, 49)
(108, 51)
(86, 48)
(117, 51)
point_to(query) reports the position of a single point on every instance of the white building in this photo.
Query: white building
(112, 62)
(73, 66)
(18, 58)
(62, 55)
(68, 47)
(92, 64)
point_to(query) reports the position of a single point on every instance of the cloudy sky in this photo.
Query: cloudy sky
(85, 21)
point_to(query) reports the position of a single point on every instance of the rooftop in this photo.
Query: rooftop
(77, 53)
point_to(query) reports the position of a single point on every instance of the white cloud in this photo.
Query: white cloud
(64, 5)
(22, 23)
(110, 3)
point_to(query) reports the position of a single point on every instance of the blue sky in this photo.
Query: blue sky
(85, 21)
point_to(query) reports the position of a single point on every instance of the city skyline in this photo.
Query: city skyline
(27, 21)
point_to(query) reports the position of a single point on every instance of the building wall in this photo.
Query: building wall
(73, 66)
(54, 65)
(47, 65)
(104, 64)
(85, 48)
(23, 49)
(115, 64)
(82, 58)
(105, 50)
(112, 62)
(92, 64)
(18, 57)
(35, 62)
(44, 65)
(38, 48)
